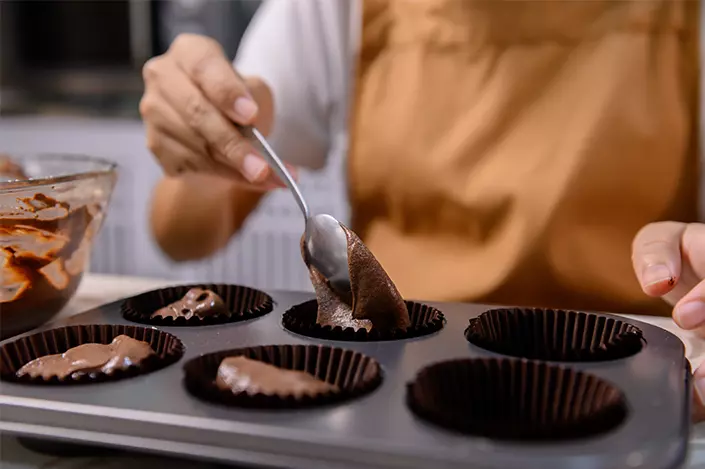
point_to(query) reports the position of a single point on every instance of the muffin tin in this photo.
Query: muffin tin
(639, 419)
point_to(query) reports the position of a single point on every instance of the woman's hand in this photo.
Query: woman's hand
(192, 97)
(669, 261)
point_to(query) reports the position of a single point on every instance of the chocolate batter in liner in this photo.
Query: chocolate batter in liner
(423, 319)
(554, 335)
(241, 302)
(373, 301)
(353, 373)
(515, 399)
(15, 354)
(372, 310)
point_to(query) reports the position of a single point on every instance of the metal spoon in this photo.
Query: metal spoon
(325, 242)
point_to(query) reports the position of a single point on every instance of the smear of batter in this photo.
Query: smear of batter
(197, 302)
(241, 374)
(120, 354)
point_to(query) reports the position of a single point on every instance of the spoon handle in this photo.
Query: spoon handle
(276, 164)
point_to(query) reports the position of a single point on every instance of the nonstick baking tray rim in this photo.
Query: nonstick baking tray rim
(21, 416)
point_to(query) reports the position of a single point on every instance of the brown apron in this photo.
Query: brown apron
(508, 151)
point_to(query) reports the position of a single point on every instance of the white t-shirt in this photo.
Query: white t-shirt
(305, 50)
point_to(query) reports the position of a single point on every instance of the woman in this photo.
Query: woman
(502, 152)
(498, 151)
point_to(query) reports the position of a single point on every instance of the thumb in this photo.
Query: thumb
(656, 257)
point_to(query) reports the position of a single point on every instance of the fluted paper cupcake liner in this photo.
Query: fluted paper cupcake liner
(241, 302)
(301, 319)
(167, 347)
(554, 335)
(354, 373)
(509, 398)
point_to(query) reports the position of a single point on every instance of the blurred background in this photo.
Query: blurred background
(70, 81)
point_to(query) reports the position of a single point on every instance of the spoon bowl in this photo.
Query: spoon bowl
(326, 246)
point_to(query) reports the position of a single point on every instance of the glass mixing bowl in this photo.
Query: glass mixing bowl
(52, 207)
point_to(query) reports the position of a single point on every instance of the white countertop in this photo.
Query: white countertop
(100, 289)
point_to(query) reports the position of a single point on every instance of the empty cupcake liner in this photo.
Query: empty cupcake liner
(242, 303)
(515, 399)
(354, 373)
(554, 335)
(169, 349)
(301, 319)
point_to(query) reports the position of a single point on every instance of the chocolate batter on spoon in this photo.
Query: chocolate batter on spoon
(196, 302)
(374, 300)
(241, 374)
(120, 354)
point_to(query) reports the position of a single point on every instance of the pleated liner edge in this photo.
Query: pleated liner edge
(242, 302)
(301, 319)
(554, 335)
(15, 354)
(515, 399)
(354, 373)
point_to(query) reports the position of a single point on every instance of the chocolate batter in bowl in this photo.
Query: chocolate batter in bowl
(52, 207)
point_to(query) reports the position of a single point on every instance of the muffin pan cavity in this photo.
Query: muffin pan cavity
(240, 302)
(509, 398)
(554, 335)
(353, 373)
(16, 353)
(301, 319)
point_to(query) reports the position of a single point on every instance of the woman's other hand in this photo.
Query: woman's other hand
(669, 261)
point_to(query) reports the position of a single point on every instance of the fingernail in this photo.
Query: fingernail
(253, 167)
(245, 108)
(656, 274)
(690, 315)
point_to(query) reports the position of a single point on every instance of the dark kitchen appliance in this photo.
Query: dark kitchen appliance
(75, 56)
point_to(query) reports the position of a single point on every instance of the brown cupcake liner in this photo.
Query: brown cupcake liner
(554, 335)
(14, 355)
(242, 302)
(301, 319)
(515, 399)
(354, 373)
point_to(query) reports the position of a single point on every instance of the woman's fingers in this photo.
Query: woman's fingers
(668, 260)
(689, 312)
(202, 59)
(192, 97)
(231, 148)
(164, 119)
(174, 157)
(656, 257)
